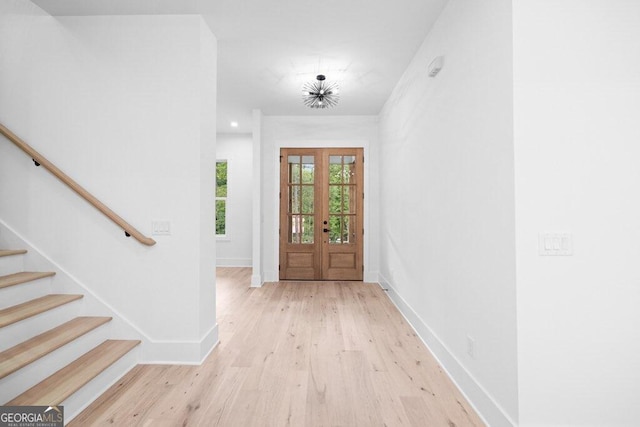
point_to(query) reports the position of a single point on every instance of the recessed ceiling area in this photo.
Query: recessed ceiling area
(268, 49)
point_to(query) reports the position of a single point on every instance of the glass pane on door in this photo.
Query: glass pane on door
(335, 169)
(335, 199)
(294, 228)
(294, 169)
(349, 169)
(308, 194)
(308, 172)
(307, 229)
(294, 199)
(349, 199)
(335, 228)
(342, 199)
(300, 195)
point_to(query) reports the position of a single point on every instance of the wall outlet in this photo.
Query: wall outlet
(471, 347)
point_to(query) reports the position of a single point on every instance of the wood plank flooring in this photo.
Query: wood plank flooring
(294, 354)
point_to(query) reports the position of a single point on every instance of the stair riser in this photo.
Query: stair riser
(11, 264)
(77, 402)
(14, 295)
(25, 378)
(18, 332)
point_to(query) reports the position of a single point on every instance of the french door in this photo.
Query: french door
(321, 224)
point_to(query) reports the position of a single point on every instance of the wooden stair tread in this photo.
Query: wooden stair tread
(62, 384)
(23, 277)
(9, 252)
(27, 309)
(33, 349)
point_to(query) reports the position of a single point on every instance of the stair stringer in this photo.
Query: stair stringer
(150, 351)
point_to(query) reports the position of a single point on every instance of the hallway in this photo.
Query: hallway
(298, 354)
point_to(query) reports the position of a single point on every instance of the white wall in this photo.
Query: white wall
(234, 250)
(447, 202)
(207, 88)
(577, 145)
(310, 131)
(126, 106)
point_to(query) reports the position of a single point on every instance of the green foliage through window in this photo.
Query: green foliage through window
(221, 198)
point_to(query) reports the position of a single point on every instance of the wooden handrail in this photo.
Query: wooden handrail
(42, 161)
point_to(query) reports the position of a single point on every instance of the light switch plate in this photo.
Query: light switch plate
(551, 243)
(161, 228)
(471, 347)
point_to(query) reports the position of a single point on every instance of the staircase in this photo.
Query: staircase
(51, 353)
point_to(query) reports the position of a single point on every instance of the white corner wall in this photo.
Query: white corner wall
(315, 131)
(126, 106)
(447, 202)
(577, 145)
(235, 249)
(207, 89)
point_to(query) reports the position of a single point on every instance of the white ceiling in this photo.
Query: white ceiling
(267, 49)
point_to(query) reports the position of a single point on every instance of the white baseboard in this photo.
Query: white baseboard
(271, 276)
(234, 262)
(256, 281)
(180, 352)
(484, 404)
(371, 277)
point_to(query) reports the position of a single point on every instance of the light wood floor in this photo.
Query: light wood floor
(294, 354)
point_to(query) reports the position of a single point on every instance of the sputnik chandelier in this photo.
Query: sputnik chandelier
(320, 94)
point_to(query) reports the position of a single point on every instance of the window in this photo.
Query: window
(221, 198)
